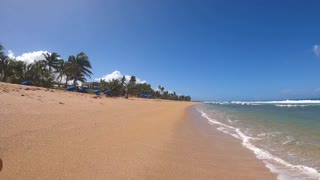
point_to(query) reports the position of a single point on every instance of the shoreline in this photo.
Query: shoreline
(66, 135)
(216, 154)
(275, 163)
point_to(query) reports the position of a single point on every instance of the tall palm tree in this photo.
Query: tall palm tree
(79, 67)
(2, 62)
(123, 83)
(131, 85)
(133, 80)
(1, 49)
(29, 72)
(162, 89)
(4, 67)
(51, 60)
(37, 73)
(62, 71)
(17, 68)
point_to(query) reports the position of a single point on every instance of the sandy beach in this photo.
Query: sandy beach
(52, 134)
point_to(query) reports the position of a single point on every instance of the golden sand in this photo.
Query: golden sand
(52, 134)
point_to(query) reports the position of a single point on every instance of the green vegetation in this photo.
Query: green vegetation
(120, 88)
(52, 70)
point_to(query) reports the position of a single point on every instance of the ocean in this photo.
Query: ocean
(285, 135)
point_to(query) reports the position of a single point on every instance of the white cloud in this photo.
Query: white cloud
(28, 57)
(11, 54)
(316, 50)
(118, 75)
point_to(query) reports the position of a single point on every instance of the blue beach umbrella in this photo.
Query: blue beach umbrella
(97, 92)
(106, 91)
(83, 89)
(26, 83)
(71, 88)
(145, 95)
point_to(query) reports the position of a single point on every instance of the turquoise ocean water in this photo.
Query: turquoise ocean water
(285, 135)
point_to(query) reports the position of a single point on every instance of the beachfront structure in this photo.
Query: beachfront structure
(91, 85)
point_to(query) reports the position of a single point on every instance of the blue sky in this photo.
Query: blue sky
(211, 50)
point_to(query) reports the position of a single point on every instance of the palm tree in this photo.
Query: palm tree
(51, 60)
(62, 71)
(143, 89)
(162, 89)
(17, 68)
(133, 80)
(30, 72)
(4, 67)
(37, 73)
(131, 85)
(3, 63)
(123, 83)
(103, 85)
(1, 49)
(115, 87)
(78, 67)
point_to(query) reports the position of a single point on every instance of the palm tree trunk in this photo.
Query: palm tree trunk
(66, 81)
(2, 76)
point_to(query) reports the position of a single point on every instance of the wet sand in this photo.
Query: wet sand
(52, 134)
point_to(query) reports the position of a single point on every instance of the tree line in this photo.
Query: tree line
(53, 71)
(47, 72)
(121, 88)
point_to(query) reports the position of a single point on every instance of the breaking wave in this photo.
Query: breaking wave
(285, 103)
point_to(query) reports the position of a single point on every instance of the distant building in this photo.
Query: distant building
(91, 85)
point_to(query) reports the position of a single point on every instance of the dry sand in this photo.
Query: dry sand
(51, 134)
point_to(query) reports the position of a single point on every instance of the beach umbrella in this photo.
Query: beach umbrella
(71, 88)
(107, 91)
(83, 89)
(26, 83)
(97, 92)
(145, 95)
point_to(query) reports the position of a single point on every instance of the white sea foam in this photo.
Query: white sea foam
(285, 103)
(278, 102)
(293, 105)
(284, 173)
(230, 121)
(229, 131)
(290, 140)
(269, 134)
